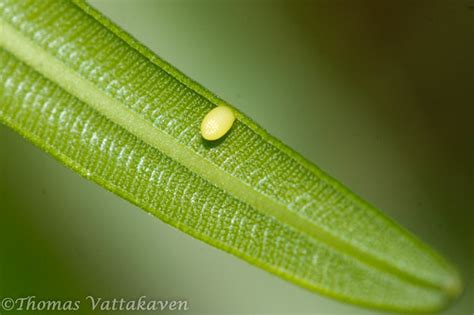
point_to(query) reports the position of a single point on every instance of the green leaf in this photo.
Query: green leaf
(83, 90)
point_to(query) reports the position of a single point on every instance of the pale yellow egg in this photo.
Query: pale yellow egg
(217, 123)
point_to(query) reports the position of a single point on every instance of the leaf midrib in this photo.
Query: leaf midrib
(52, 68)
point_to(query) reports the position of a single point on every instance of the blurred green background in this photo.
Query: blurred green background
(378, 94)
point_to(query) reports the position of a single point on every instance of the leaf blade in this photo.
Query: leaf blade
(263, 178)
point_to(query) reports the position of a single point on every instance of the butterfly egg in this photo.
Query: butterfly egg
(217, 123)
